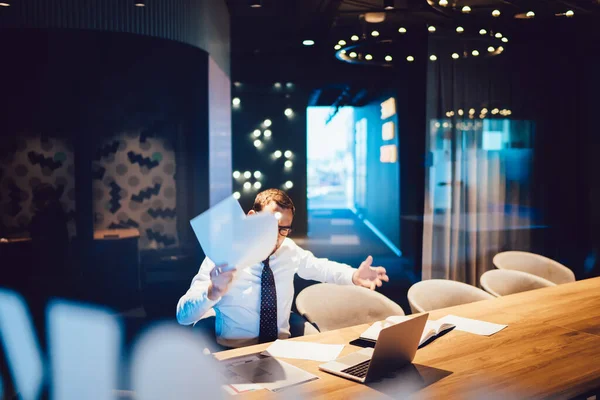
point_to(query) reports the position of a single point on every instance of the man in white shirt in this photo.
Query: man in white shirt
(253, 305)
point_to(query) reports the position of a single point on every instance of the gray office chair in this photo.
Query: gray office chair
(331, 307)
(535, 264)
(434, 294)
(502, 282)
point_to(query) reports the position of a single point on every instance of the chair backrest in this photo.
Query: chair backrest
(502, 282)
(332, 307)
(535, 264)
(434, 294)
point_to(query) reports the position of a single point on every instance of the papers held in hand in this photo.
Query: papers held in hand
(432, 330)
(227, 235)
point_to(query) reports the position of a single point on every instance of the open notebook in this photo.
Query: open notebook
(433, 329)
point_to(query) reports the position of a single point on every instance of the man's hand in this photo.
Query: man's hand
(220, 279)
(369, 277)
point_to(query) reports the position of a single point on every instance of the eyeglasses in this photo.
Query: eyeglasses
(285, 230)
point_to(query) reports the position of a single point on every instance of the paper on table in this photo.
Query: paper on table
(472, 325)
(304, 350)
(272, 374)
(237, 384)
(227, 235)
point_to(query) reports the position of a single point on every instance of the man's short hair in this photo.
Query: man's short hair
(278, 196)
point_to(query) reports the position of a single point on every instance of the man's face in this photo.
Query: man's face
(284, 222)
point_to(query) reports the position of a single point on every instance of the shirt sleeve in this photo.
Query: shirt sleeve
(195, 303)
(323, 270)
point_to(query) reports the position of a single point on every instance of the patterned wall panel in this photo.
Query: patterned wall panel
(134, 186)
(32, 161)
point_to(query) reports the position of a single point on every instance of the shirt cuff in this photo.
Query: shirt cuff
(348, 276)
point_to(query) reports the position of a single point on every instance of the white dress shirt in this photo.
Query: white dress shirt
(238, 311)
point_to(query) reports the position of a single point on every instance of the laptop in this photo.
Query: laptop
(395, 347)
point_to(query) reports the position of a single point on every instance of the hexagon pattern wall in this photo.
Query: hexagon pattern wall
(32, 161)
(134, 186)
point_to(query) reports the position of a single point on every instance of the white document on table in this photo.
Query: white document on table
(237, 384)
(228, 236)
(304, 350)
(472, 325)
(272, 374)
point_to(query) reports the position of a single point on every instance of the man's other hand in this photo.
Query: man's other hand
(368, 276)
(220, 279)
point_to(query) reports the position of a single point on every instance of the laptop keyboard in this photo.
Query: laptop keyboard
(359, 370)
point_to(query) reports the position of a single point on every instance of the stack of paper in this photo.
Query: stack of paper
(259, 372)
(228, 236)
(235, 383)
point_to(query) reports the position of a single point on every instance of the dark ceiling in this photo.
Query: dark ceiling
(280, 25)
(267, 41)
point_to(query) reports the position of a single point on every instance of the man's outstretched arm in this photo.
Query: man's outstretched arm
(324, 270)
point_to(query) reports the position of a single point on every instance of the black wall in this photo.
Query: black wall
(557, 85)
(87, 86)
(260, 101)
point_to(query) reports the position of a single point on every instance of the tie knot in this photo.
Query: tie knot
(266, 262)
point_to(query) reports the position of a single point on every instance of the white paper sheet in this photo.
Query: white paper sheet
(229, 236)
(272, 374)
(237, 384)
(472, 325)
(304, 350)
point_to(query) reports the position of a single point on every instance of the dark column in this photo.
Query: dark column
(411, 85)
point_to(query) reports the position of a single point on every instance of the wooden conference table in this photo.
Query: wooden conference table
(550, 349)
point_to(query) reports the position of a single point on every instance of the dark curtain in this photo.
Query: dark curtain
(478, 180)
(532, 186)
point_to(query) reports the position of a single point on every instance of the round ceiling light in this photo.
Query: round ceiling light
(375, 17)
